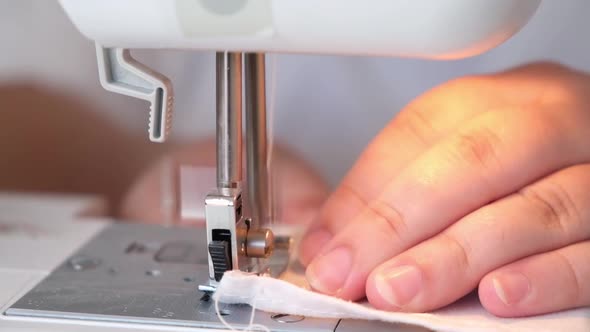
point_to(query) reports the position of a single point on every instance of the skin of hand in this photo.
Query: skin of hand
(300, 191)
(480, 183)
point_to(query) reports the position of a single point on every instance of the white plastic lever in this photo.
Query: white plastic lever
(121, 73)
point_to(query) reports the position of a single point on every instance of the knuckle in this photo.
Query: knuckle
(575, 280)
(542, 129)
(561, 93)
(344, 197)
(479, 149)
(545, 66)
(538, 120)
(460, 250)
(418, 125)
(555, 205)
(547, 73)
(387, 218)
(351, 195)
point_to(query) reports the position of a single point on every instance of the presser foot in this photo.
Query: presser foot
(234, 242)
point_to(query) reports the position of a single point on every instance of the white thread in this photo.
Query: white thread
(251, 326)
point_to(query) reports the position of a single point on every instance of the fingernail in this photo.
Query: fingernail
(328, 273)
(511, 287)
(399, 285)
(312, 243)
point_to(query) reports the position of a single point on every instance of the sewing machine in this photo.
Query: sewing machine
(125, 275)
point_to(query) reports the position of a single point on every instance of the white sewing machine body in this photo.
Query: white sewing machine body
(443, 29)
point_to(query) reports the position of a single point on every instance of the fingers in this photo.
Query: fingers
(427, 120)
(545, 216)
(543, 283)
(430, 118)
(493, 155)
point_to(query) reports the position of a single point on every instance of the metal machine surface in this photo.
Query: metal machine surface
(149, 275)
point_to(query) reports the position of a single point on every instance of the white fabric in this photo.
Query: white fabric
(280, 296)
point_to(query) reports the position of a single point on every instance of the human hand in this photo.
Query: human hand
(483, 181)
(301, 191)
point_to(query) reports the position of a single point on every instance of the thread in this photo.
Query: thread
(251, 326)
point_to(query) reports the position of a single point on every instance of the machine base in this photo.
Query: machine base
(144, 274)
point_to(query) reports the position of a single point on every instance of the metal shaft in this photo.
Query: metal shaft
(256, 138)
(229, 119)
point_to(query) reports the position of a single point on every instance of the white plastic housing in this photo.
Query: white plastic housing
(438, 29)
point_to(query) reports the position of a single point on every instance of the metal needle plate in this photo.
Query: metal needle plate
(149, 275)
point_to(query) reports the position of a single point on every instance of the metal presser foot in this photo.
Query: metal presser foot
(148, 274)
(234, 241)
